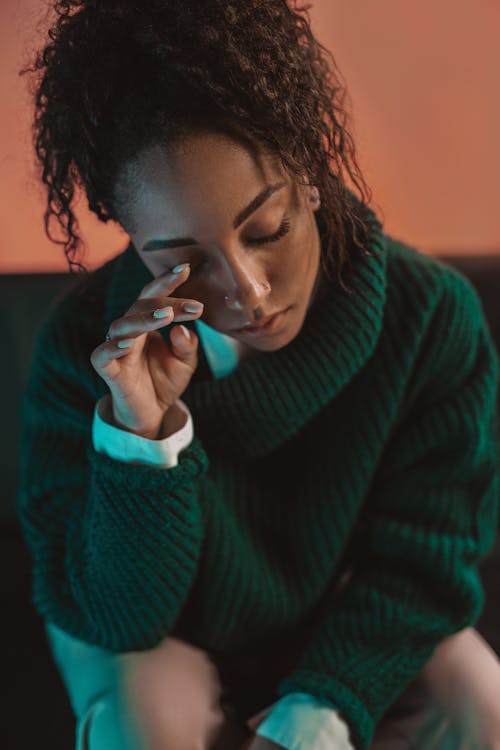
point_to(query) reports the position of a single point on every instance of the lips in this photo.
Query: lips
(269, 327)
(261, 323)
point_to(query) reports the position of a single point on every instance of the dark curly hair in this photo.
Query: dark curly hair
(119, 76)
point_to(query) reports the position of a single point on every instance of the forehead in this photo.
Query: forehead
(205, 180)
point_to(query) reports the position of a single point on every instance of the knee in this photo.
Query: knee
(461, 661)
(172, 693)
(106, 725)
(463, 675)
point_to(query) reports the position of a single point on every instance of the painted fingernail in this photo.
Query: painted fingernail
(185, 332)
(192, 307)
(163, 312)
(124, 343)
(180, 269)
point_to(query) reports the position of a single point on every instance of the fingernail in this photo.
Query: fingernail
(179, 269)
(185, 332)
(124, 343)
(192, 307)
(163, 312)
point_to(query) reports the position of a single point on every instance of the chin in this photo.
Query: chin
(271, 343)
(280, 339)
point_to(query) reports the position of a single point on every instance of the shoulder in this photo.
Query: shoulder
(435, 316)
(432, 298)
(429, 282)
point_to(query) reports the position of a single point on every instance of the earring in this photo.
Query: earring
(315, 196)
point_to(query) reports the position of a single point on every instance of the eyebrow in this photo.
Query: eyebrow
(162, 244)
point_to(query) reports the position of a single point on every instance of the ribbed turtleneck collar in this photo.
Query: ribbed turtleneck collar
(270, 397)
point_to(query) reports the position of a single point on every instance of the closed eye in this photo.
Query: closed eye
(284, 229)
(281, 232)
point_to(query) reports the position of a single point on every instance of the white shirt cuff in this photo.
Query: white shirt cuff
(125, 446)
(299, 721)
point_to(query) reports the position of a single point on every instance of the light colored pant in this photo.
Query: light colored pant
(169, 698)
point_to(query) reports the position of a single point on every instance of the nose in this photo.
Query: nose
(246, 287)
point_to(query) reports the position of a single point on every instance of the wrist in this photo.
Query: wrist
(152, 431)
(174, 419)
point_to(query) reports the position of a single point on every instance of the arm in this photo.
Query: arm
(431, 515)
(115, 546)
(176, 435)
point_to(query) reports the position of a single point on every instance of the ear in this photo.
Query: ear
(314, 197)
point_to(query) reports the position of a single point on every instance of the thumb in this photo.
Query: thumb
(184, 341)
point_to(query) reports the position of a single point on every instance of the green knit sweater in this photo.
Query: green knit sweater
(370, 443)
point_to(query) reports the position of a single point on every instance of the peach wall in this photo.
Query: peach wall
(423, 80)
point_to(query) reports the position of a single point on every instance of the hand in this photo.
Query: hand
(146, 378)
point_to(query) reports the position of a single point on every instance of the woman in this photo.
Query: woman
(248, 537)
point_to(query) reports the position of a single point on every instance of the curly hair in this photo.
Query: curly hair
(119, 76)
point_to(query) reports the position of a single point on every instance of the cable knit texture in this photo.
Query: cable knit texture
(368, 443)
(297, 721)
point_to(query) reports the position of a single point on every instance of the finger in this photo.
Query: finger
(152, 320)
(166, 282)
(184, 344)
(103, 357)
(181, 305)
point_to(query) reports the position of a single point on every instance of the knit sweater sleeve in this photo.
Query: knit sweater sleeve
(115, 545)
(431, 515)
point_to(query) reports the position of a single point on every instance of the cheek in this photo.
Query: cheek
(312, 246)
(303, 256)
(156, 266)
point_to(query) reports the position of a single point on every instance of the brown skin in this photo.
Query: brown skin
(196, 191)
